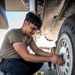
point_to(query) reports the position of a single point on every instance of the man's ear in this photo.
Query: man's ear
(25, 23)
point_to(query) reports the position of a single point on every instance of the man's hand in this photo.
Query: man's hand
(57, 59)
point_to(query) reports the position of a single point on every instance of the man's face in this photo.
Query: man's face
(30, 29)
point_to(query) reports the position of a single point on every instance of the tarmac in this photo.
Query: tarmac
(45, 70)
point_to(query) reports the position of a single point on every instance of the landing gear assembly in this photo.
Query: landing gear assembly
(66, 46)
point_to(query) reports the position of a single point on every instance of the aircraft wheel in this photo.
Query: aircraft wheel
(66, 46)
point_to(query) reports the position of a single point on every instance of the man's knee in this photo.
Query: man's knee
(14, 67)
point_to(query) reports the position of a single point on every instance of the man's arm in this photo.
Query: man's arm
(38, 51)
(21, 49)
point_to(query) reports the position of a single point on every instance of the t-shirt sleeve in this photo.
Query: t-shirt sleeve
(31, 39)
(14, 37)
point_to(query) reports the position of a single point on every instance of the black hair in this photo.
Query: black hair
(34, 19)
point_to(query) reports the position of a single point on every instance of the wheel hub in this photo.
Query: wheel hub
(65, 48)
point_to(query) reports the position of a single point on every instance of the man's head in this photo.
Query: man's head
(31, 24)
(34, 19)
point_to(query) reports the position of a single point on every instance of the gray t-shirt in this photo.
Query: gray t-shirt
(14, 35)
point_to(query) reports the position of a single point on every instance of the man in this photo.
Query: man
(14, 55)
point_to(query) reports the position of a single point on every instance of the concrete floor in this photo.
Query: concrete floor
(1, 73)
(46, 70)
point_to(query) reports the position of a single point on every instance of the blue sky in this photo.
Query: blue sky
(15, 20)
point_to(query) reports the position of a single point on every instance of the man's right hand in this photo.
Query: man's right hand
(57, 59)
